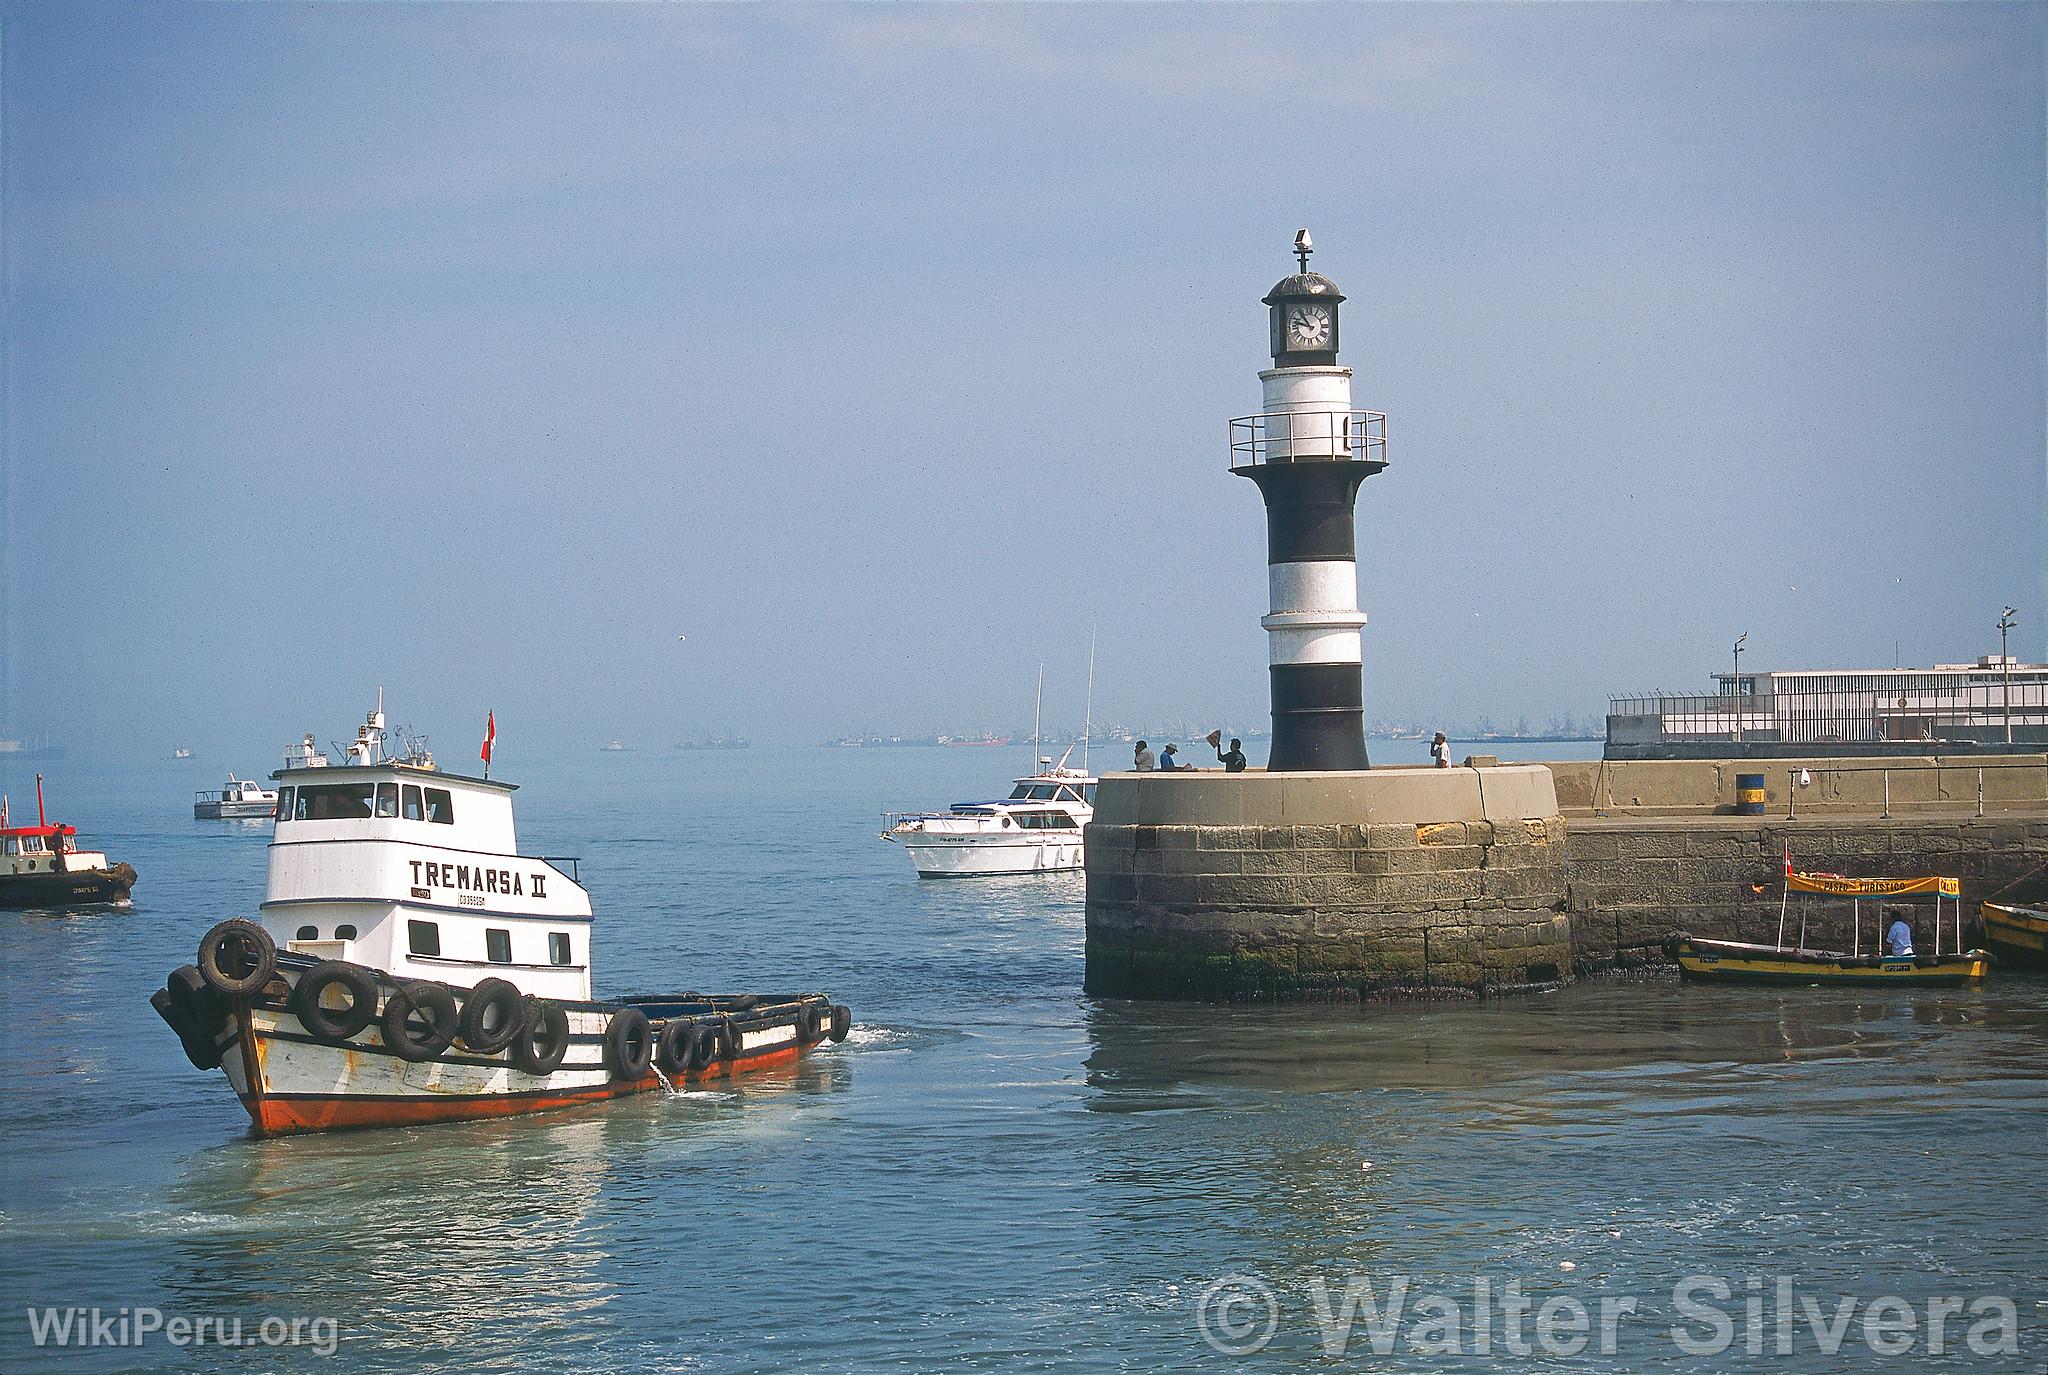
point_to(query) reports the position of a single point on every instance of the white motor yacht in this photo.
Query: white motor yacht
(1035, 830)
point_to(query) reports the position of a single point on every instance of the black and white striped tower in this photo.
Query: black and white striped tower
(1309, 451)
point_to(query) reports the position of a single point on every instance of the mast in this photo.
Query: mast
(1088, 716)
(1037, 704)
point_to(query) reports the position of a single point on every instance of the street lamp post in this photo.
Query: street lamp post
(2006, 622)
(1735, 686)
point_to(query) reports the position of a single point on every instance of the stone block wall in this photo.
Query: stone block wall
(1633, 882)
(1326, 911)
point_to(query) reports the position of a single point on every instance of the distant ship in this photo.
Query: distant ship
(719, 742)
(15, 749)
(616, 747)
(983, 739)
(181, 753)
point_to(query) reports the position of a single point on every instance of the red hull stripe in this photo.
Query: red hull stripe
(277, 1114)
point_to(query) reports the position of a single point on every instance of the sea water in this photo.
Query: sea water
(994, 1172)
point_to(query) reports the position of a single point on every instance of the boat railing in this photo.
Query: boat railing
(574, 873)
(1319, 436)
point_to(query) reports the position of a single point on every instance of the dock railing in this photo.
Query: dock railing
(1806, 776)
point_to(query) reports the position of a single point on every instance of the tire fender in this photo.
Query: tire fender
(329, 1024)
(431, 1003)
(237, 957)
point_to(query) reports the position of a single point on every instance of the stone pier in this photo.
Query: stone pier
(1326, 885)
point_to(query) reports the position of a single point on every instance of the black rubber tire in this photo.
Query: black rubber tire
(237, 957)
(198, 1047)
(729, 1039)
(543, 1038)
(629, 1044)
(842, 1022)
(675, 1046)
(433, 1004)
(808, 1018)
(703, 1045)
(196, 1000)
(491, 1016)
(334, 1025)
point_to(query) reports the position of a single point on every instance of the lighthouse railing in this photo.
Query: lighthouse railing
(1313, 436)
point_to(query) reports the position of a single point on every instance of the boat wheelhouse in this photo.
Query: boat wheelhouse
(243, 799)
(1035, 830)
(409, 965)
(42, 866)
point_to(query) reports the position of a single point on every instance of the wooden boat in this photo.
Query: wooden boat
(1745, 962)
(1740, 962)
(2016, 921)
(410, 965)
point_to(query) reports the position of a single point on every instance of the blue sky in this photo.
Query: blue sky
(479, 350)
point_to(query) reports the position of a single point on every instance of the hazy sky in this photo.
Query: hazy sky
(480, 350)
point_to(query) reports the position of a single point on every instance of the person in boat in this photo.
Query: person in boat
(1440, 751)
(1166, 762)
(1233, 758)
(1143, 760)
(1898, 937)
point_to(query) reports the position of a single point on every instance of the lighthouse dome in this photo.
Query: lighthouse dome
(1303, 285)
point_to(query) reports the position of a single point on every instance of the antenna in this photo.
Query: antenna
(1088, 718)
(1303, 246)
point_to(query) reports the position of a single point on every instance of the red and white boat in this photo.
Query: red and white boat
(409, 965)
(42, 866)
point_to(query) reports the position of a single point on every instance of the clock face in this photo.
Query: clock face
(1308, 327)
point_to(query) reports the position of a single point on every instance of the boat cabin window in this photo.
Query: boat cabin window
(1066, 795)
(284, 803)
(387, 799)
(497, 945)
(13, 846)
(558, 947)
(439, 807)
(413, 810)
(308, 933)
(344, 932)
(27, 845)
(1020, 793)
(423, 937)
(1045, 821)
(335, 802)
(1088, 793)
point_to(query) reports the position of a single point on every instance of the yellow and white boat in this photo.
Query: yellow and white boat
(1745, 962)
(2016, 920)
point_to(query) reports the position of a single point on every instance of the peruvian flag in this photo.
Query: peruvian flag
(3, 812)
(490, 734)
(1788, 859)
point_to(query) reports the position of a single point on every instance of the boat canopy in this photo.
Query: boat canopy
(1836, 884)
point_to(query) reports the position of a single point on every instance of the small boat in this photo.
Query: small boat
(409, 965)
(243, 799)
(1745, 962)
(615, 747)
(1035, 830)
(42, 866)
(2016, 921)
(181, 753)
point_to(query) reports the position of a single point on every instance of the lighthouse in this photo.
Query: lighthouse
(1308, 451)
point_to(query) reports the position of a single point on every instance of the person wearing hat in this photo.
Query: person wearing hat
(1143, 760)
(1166, 764)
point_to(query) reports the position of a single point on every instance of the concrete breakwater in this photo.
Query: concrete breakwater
(1417, 882)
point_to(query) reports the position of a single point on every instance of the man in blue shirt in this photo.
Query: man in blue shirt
(1898, 937)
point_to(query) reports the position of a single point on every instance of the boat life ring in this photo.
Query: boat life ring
(331, 1024)
(807, 1019)
(491, 1016)
(675, 1046)
(543, 1038)
(729, 1036)
(629, 1044)
(420, 1020)
(198, 1049)
(237, 957)
(842, 1021)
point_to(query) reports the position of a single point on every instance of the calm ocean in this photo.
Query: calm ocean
(994, 1173)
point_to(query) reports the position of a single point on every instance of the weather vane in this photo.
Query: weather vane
(1303, 246)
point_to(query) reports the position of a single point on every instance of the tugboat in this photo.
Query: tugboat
(243, 799)
(42, 866)
(409, 965)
